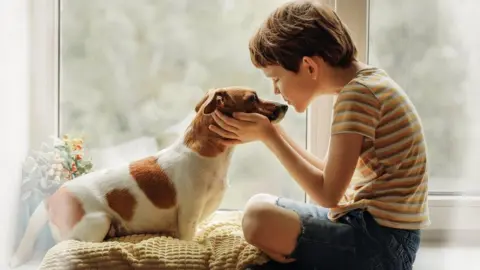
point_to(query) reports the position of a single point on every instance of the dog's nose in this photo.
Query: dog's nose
(281, 109)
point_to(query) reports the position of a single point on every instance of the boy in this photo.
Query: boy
(371, 189)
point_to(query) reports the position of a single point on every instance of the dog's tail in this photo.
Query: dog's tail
(35, 225)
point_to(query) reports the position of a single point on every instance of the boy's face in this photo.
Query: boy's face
(297, 89)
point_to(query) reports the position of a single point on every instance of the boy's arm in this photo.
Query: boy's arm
(315, 161)
(355, 117)
(325, 187)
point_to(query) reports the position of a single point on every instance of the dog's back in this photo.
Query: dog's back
(145, 195)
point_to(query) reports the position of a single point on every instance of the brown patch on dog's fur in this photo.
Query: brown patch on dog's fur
(122, 202)
(64, 210)
(202, 140)
(237, 99)
(154, 182)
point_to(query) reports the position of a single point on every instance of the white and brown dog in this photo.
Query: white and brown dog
(170, 192)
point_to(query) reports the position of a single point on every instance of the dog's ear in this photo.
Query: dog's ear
(213, 100)
(200, 103)
(217, 101)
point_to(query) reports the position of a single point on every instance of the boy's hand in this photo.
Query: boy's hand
(242, 128)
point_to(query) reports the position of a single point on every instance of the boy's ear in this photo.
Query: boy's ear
(312, 67)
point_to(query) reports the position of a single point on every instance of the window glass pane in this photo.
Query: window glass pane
(430, 48)
(132, 72)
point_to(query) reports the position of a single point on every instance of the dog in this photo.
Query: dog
(170, 192)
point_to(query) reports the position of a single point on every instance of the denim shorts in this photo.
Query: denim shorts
(355, 241)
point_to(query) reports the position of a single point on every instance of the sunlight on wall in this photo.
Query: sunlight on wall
(14, 86)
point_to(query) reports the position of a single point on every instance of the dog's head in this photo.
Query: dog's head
(239, 99)
(228, 101)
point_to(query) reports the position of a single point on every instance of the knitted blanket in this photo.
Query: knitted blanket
(218, 245)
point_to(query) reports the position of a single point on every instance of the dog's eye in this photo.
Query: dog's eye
(252, 98)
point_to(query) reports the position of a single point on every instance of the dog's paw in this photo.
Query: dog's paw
(112, 232)
(116, 230)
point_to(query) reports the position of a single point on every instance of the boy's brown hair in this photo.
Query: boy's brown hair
(302, 28)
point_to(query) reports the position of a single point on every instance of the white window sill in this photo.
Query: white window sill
(452, 201)
(454, 219)
(454, 212)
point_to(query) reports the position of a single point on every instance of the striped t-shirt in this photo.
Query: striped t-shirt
(390, 179)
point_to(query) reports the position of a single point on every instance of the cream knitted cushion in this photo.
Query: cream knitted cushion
(218, 245)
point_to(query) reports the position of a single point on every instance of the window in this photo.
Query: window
(429, 47)
(102, 76)
(131, 73)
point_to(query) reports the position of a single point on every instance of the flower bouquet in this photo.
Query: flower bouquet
(43, 172)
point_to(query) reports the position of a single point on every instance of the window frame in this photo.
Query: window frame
(45, 58)
(451, 215)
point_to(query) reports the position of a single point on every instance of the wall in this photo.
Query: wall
(14, 111)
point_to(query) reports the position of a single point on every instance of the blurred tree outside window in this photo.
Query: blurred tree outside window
(131, 73)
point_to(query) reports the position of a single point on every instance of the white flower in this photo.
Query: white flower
(57, 178)
(51, 172)
(57, 141)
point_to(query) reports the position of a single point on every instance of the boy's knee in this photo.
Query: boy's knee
(260, 199)
(256, 216)
(270, 227)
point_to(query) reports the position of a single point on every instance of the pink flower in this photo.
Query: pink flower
(74, 167)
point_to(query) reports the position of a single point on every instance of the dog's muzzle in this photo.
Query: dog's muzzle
(279, 111)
